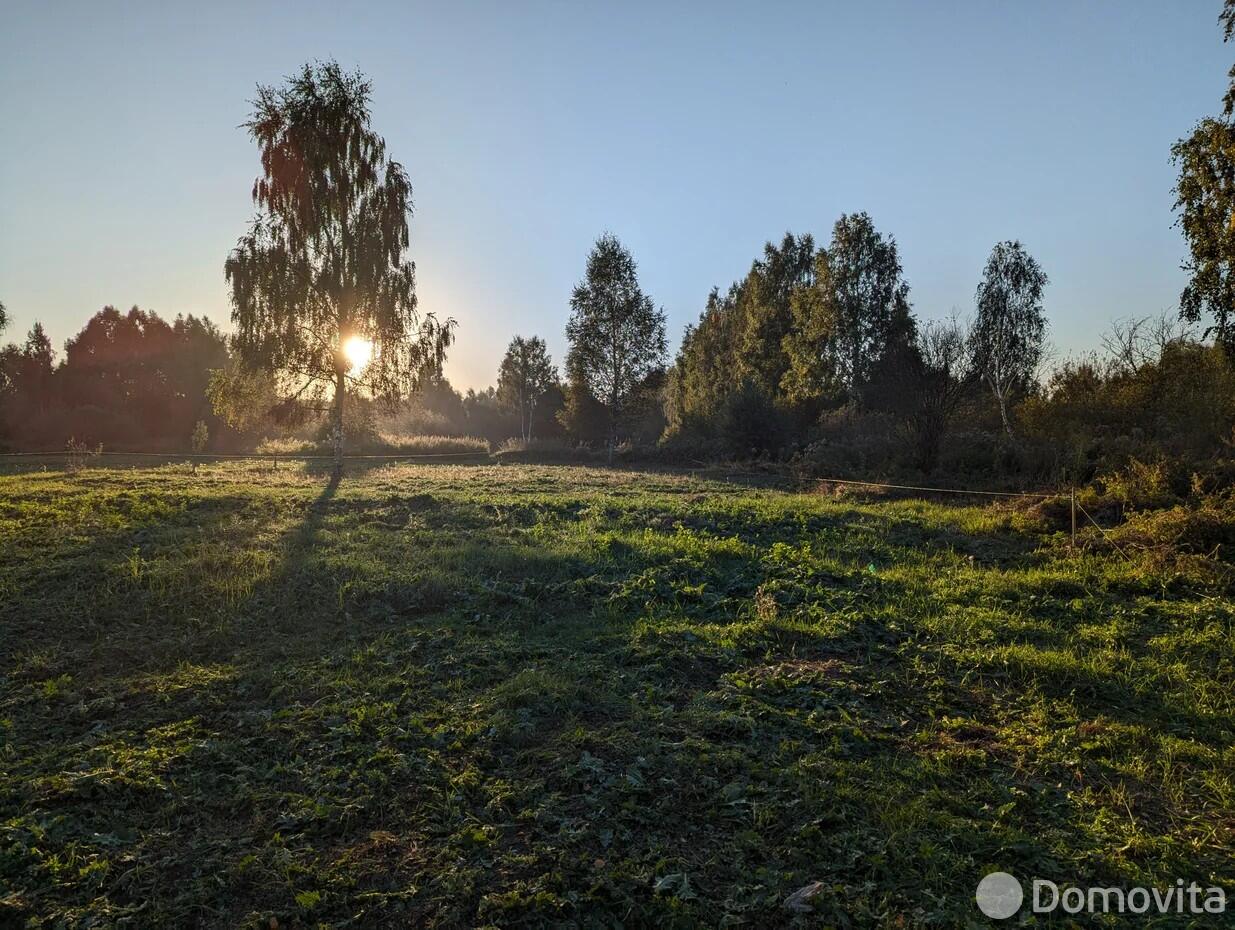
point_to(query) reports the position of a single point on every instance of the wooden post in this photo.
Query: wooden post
(1073, 519)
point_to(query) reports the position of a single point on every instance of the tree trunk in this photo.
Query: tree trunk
(855, 390)
(613, 431)
(336, 429)
(1003, 415)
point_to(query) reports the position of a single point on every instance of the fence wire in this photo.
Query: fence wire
(242, 456)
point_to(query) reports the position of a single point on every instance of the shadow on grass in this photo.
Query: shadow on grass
(422, 710)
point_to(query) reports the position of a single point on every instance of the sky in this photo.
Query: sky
(693, 131)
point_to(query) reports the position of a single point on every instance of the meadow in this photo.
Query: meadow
(531, 696)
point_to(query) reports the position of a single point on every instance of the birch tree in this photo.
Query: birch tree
(323, 294)
(616, 334)
(1010, 327)
(526, 374)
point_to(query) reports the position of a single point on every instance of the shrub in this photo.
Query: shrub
(751, 425)
(1144, 485)
(1202, 525)
(402, 444)
(1095, 418)
(359, 424)
(547, 451)
(80, 454)
(852, 444)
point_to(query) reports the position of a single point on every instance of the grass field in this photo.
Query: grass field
(535, 696)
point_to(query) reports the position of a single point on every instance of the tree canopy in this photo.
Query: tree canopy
(1205, 208)
(324, 260)
(1008, 332)
(765, 316)
(845, 320)
(526, 373)
(616, 333)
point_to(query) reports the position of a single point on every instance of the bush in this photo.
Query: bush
(1145, 485)
(425, 445)
(1094, 418)
(547, 451)
(853, 445)
(359, 424)
(420, 422)
(751, 425)
(688, 445)
(1203, 525)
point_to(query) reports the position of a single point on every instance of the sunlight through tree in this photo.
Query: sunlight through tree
(322, 272)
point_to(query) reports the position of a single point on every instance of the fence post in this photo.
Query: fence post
(1073, 496)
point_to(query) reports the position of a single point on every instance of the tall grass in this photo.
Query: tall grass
(381, 444)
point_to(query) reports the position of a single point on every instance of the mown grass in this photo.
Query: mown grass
(533, 696)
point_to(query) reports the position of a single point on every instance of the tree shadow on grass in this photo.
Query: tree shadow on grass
(422, 713)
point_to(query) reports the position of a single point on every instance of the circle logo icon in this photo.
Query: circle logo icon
(999, 895)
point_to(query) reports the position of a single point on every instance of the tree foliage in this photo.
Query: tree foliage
(1205, 208)
(324, 260)
(143, 367)
(1205, 202)
(852, 313)
(738, 344)
(805, 329)
(1176, 402)
(924, 384)
(1010, 326)
(765, 316)
(1227, 19)
(616, 334)
(133, 380)
(525, 375)
(704, 372)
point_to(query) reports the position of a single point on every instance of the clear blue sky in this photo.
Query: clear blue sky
(694, 131)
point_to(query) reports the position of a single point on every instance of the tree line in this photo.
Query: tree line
(815, 354)
(128, 379)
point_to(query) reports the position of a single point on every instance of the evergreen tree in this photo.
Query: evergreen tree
(705, 370)
(765, 313)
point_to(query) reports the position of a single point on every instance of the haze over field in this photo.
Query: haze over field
(695, 133)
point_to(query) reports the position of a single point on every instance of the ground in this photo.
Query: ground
(546, 696)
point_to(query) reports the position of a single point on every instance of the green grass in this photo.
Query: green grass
(532, 696)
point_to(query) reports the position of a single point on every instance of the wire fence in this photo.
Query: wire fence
(913, 487)
(240, 456)
(1070, 494)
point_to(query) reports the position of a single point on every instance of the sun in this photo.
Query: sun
(357, 350)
